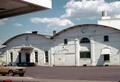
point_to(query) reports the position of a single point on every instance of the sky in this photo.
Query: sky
(64, 14)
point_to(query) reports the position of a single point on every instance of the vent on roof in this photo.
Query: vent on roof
(54, 32)
(34, 32)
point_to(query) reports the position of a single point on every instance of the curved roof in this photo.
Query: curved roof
(57, 34)
(81, 26)
(23, 35)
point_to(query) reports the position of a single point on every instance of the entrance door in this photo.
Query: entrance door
(19, 57)
(27, 57)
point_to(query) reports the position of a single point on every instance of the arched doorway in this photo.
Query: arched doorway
(24, 56)
(85, 51)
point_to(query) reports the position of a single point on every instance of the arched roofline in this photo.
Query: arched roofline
(57, 34)
(73, 27)
(23, 35)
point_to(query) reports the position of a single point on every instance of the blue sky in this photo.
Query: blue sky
(64, 14)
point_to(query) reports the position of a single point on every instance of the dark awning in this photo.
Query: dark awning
(15, 7)
(26, 49)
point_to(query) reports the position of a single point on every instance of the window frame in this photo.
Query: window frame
(65, 41)
(106, 38)
(85, 54)
(46, 56)
(85, 40)
(11, 57)
(20, 57)
(106, 57)
(36, 56)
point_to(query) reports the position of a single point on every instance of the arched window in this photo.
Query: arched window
(85, 40)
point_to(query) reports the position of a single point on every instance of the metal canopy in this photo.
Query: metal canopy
(15, 7)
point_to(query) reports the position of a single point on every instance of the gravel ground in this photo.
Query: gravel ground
(75, 73)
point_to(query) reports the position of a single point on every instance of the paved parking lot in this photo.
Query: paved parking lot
(75, 73)
(28, 79)
(68, 74)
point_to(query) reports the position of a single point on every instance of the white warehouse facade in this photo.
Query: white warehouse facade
(81, 45)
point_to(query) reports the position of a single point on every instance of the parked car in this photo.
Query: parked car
(12, 70)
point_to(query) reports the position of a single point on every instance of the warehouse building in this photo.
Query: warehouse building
(81, 45)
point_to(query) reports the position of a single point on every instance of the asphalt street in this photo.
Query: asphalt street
(75, 73)
(68, 74)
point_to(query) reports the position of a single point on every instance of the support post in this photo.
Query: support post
(77, 51)
(93, 60)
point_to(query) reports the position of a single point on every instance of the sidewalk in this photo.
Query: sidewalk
(56, 80)
(18, 79)
(30, 79)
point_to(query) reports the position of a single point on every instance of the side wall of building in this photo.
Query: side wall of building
(69, 54)
(37, 44)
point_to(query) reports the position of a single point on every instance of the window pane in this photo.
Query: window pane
(65, 41)
(106, 57)
(36, 57)
(19, 57)
(106, 38)
(11, 56)
(46, 57)
(85, 55)
(85, 40)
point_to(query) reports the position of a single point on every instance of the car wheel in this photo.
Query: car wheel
(3, 74)
(21, 75)
(10, 73)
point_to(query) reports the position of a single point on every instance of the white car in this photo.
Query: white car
(12, 70)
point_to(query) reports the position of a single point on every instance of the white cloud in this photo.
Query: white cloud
(28, 32)
(3, 21)
(18, 24)
(57, 22)
(90, 8)
(115, 6)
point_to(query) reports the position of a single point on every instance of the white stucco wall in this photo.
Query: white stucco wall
(37, 42)
(61, 54)
(115, 23)
(96, 33)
